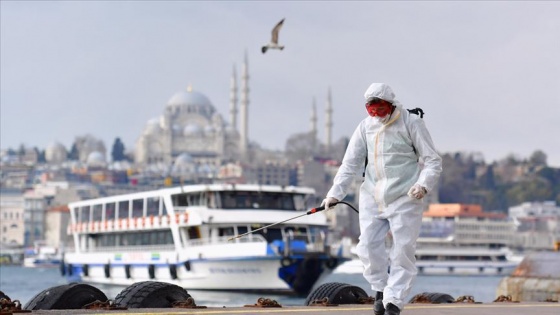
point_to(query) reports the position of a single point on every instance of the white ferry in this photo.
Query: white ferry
(465, 261)
(468, 261)
(188, 236)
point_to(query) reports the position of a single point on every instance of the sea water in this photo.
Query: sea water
(22, 284)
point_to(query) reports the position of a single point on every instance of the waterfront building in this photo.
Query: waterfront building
(11, 217)
(465, 224)
(538, 225)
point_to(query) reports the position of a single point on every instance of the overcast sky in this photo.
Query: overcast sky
(487, 74)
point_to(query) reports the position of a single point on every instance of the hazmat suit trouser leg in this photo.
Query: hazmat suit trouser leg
(372, 251)
(405, 227)
(404, 222)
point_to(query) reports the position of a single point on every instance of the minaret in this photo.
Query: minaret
(233, 101)
(314, 124)
(329, 123)
(244, 107)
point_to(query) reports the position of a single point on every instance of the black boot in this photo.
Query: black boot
(392, 309)
(378, 308)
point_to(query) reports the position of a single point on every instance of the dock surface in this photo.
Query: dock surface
(507, 308)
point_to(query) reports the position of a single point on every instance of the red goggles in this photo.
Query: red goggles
(378, 107)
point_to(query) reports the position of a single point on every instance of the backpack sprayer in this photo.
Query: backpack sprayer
(312, 211)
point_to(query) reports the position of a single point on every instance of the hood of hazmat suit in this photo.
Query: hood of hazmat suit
(393, 148)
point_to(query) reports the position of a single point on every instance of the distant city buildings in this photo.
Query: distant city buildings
(191, 142)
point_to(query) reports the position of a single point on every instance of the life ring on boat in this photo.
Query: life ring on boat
(331, 263)
(107, 270)
(286, 261)
(187, 265)
(337, 293)
(173, 271)
(151, 294)
(152, 271)
(66, 297)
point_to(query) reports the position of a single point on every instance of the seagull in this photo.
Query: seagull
(274, 40)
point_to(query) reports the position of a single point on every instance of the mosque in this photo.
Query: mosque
(190, 129)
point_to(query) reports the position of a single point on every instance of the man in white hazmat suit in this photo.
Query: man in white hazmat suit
(391, 195)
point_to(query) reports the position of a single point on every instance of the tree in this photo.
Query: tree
(538, 158)
(74, 154)
(117, 153)
(40, 155)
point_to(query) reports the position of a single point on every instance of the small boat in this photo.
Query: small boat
(203, 237)
(42, 256)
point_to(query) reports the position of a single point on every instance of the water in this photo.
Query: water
(23, 284)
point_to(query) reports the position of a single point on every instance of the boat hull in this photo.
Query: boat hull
(295, 274)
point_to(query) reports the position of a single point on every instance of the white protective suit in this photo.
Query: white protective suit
(392, 169)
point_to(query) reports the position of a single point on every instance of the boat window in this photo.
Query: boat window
(226, 231)
(180, 200)
(153, 206)
(123, 209)
(110, 211)
(270, 234)
(97, 212)
(163, 208)
(298, 233)
(241, 230)
(258, 200)
(194, 232)
(141, 238)
(137, 208)
(84, 214)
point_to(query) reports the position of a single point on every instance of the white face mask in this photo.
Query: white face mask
(381, 120)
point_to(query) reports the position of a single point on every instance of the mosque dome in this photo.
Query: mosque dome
(55, 153)
(184, 163)
(153, 127)
(192, 102)
(95, 158)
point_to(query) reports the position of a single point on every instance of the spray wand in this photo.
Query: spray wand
(312, 211)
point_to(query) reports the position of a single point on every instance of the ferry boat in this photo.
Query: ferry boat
(469, 261)
(465, 261)
(201, 237)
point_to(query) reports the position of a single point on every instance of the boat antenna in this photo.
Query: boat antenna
(312, 211)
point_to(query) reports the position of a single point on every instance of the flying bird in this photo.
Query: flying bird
(274, 40)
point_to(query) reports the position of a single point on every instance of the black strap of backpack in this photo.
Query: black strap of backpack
(417, 111)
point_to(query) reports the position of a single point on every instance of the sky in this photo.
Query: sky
(487, 74)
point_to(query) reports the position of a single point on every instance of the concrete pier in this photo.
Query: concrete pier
(505, 308)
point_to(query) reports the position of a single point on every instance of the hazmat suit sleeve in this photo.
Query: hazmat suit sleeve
(423, 143)
(353, 163)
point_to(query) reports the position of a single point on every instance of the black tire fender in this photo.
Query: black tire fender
(337, 293)
(433, 297)
(151, 294)
(173, 271)
(65, 297)
(107, 270)
(331, 263)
